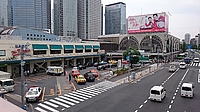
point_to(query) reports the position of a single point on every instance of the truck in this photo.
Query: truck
(5, 81)
(54, 70)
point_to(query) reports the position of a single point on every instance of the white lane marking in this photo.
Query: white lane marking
(51, 104)
(47, 107)
(173, 97)
(39, 109)
(145, 101)
(172, 101)
(59, 99)
(86, 92)
(73, 97)
(141, 106)
(170, 106)
(83, 94)
(174, 94)
(199, 78)
(78, 96)
(199, 70)
(176, 91)
(168, 111)
(177, 88)
(69, 99)
(136, 110)
(59, 103)
(185, 74)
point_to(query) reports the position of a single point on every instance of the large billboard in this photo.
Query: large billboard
(157, 22)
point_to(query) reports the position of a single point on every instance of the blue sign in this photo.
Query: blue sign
(128, 58)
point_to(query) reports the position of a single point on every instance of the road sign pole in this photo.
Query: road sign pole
(22, 75)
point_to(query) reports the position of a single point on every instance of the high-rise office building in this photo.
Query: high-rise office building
(5, 13)
(65, 18)
(115, 18)
(89, 18)
(187, 38)
(31, 13)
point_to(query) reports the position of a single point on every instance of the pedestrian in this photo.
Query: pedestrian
(69, 77)
(28, 72)
(25, 86)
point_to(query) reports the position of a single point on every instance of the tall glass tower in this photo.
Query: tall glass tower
(65, 18)
(89, 18)
(115, 18)
(5, 13)
(31, 13)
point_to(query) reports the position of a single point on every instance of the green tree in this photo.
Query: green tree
(184, 47)
(134, 55)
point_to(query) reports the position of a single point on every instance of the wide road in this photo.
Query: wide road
(134, 97)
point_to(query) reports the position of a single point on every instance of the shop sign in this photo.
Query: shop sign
(18, 48)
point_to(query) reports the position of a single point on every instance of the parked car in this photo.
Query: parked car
(80, 79)
(95, 64)
(89, 76)
(81, 67)
(95, 72)
(34, 94)
(75, 73)
(102, 66)
(88, 64)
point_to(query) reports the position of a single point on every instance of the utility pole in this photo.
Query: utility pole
(22, 75)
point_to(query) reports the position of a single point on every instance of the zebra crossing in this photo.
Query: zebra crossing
(65, 101)
(194, 64)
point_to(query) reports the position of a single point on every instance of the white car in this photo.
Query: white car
(34, 94)
(182, 65)
(196, 60)
(157, 93)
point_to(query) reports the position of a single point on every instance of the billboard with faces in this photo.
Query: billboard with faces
(157, 22)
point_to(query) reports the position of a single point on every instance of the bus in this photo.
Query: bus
(181, 56)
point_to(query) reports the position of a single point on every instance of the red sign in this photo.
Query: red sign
(148, 23)
(17, 52)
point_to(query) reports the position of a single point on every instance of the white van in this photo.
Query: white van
(54, 70)
(196, 60)
(187, 90)
(157, 93)
(182, 65)
(7, 84)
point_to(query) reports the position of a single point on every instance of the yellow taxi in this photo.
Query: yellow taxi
(112, 62)
(80, 79)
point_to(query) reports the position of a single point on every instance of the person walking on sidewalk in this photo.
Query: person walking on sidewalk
(70, 78)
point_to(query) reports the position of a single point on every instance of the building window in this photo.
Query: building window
(31, 35)
(95, 50)
(27, 38)
(43, 35)
(88, 50)
(34, 35)
(37, 35)
(68, 51)
(2, 53)
(27, 34)
(55, 51)
(79, 51)
(39, 52)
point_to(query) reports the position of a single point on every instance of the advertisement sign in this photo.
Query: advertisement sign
(157, 22)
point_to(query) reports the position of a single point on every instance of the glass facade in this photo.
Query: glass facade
(5, 12)
(31, 13)
(65, 18)
(89, 18)
(115, 18)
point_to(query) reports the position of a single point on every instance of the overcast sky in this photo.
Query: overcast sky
(184, 15)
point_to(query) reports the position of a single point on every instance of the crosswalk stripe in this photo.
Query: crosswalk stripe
(84, 92)
(69, 99)
(78, 96)
(59, 103)
(47, 107)
(39, 109)
(51, 104)
(73, 97)
(64, 101)
(91, 91)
